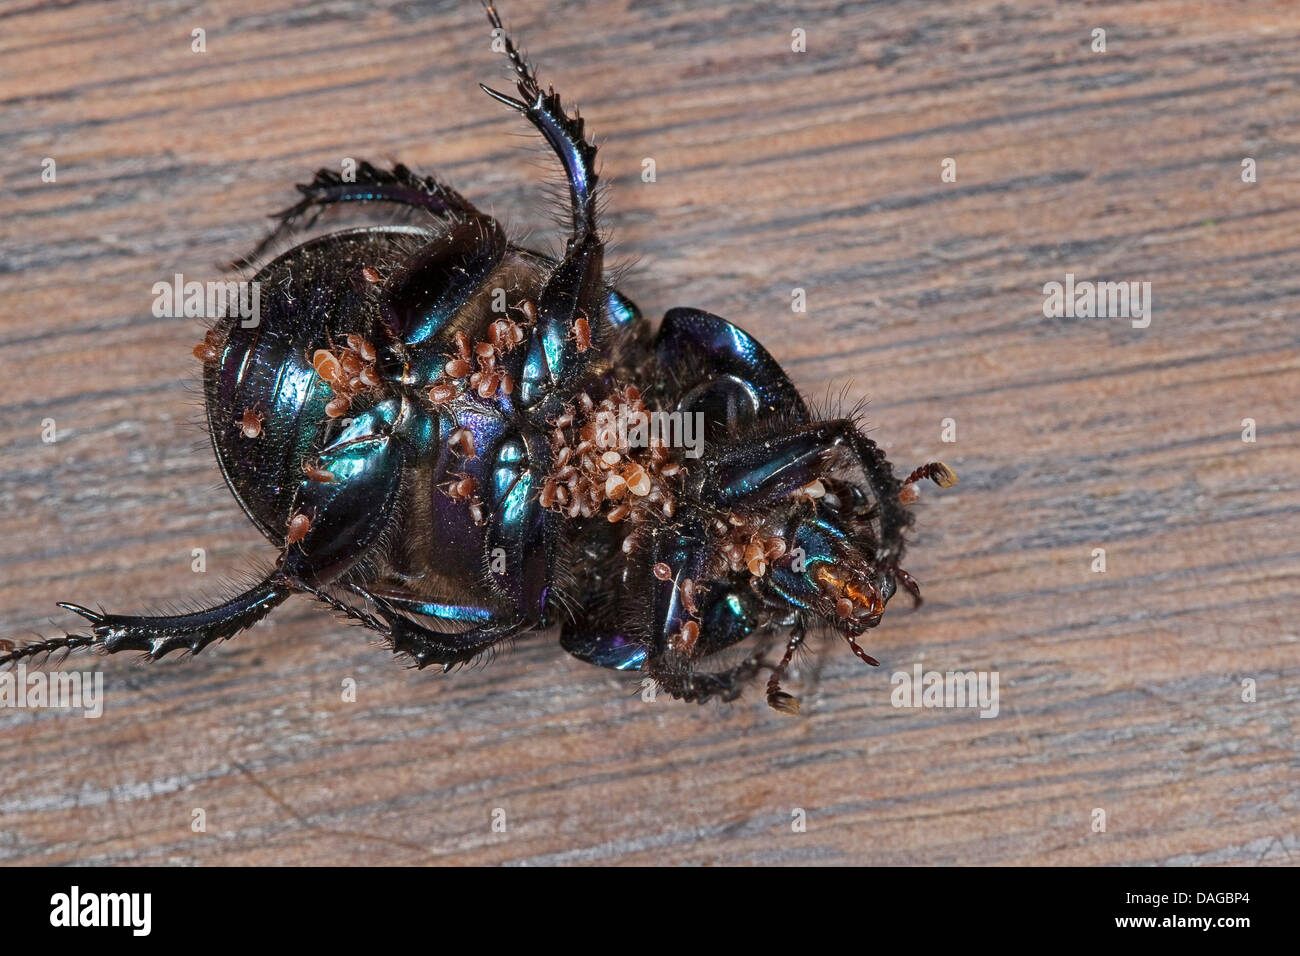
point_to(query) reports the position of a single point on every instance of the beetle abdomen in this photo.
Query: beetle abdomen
(310, 296)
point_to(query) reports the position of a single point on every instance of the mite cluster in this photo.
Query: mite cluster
(349, 371)
(595, 466)
(473, 366)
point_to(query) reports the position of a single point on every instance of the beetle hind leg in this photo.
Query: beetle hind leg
(161, 635)
(424, 646)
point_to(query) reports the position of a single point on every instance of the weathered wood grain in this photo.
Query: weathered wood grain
(775, 170)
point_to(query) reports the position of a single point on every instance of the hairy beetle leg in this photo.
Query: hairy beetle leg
(936, 471)
(371, 184)
(909, 582)
(425, 646)
(163, 634)
(14, 652)
(698, 688)
(778, 699)
(563, 133)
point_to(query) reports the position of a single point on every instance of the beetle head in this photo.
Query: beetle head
(830, 571)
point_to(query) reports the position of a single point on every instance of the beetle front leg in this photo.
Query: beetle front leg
(754, 473)
(686, 622)
(685, 684)
(725, 619)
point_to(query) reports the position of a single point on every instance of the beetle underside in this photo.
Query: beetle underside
(453, 440)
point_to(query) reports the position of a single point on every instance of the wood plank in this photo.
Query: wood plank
(775, 170)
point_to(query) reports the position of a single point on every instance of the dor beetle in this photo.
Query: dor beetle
(452, 440)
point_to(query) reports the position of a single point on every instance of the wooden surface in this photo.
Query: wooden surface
(1119, 690)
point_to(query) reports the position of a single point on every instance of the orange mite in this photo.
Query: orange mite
(442, 393)
(328, 367)
(582, 333)
(251, 423)
(550, 493)
(463, 346)
(688, 597)
(209, 350)
(299, 525)
(317, 473)
(362, 347)
(684, 642)
(462, 440)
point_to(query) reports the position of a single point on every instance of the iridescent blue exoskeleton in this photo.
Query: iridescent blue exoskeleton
(452, 440)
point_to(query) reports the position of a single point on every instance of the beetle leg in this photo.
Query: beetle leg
(613, 649)
(565, 134)
(371, 184)
(423, 645)
(684, 684)
(728, 617)
(426, 646)
(163, 634)
(909, 582)
(695, 347)
(555, 365)
(557, 359)
(757, 472)
(778, 699)
(685, 622)
(333, 525)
